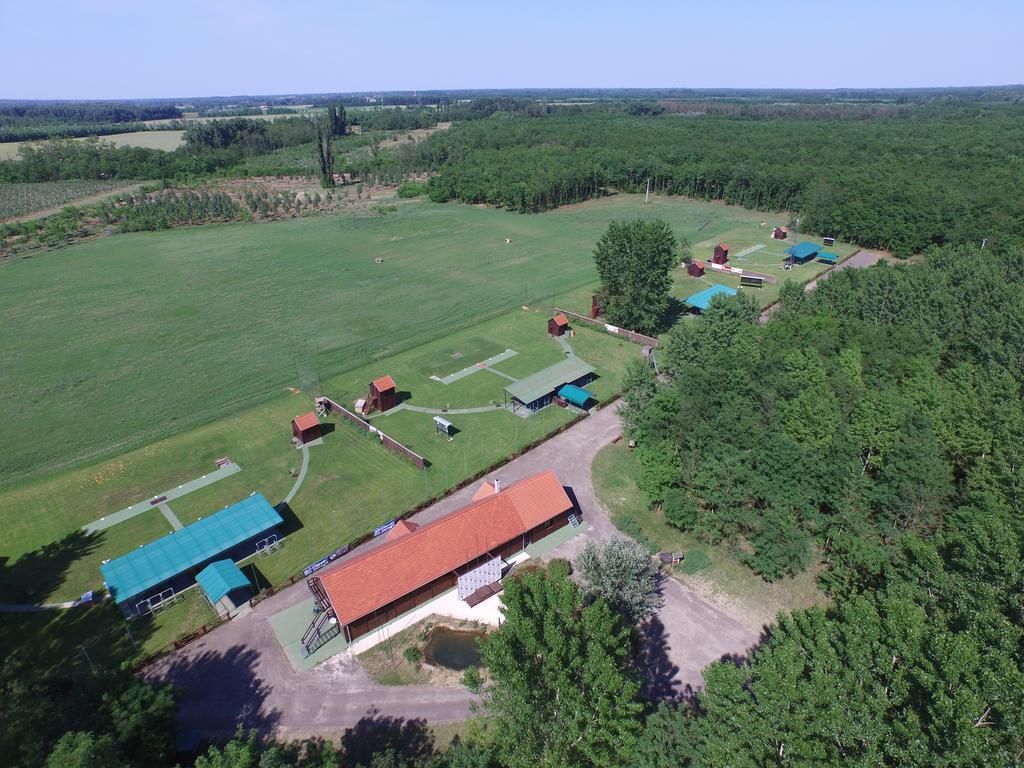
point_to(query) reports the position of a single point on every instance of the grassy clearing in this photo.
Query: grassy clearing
(726, 580)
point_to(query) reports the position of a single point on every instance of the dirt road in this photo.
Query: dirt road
(238, 674)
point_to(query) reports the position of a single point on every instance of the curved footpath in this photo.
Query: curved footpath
(239, 674)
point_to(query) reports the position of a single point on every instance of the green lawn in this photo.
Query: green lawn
(726, 579)
(152, 355)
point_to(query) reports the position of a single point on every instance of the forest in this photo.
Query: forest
(31, 121)
(930, 176)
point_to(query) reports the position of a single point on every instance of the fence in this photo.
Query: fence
(636, 338)
(391, 444)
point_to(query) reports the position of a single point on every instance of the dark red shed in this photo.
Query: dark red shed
(382, 394)
(695, 268)
(306, 428)
(558, 325)
(780, 233)
(721, 254)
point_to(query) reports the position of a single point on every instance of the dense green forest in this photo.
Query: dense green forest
(29, 121)
(929, 176)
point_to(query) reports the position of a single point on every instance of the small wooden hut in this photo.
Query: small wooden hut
(721, 254)
(780, 233)
(558, 325)
(695, 268)
(595, 306)
(382, 394)
(306, 428)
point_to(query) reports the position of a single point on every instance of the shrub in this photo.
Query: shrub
(560, 567)
(695, 560)
(472, 680)
(412, 189)
(413, 654)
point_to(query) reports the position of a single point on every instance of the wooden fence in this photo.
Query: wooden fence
(391, 444)
(636, 338)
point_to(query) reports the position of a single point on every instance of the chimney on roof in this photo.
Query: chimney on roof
(497, 485)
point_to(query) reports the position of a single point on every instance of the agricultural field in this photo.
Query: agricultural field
(20, 199)
(168, 140)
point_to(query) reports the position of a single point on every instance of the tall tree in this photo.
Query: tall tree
(338, 119)
(634, 262)
(325, 151)
(620, 572)
(559, 694)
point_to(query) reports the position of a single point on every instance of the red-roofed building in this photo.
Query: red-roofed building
(721, 254)
(402, 527)
(558, 325)
(382, 394)
(306, 428)
(695, 268)
(420, 563)
(780, 233)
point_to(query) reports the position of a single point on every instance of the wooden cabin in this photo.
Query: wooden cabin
(382, 394)
(558, 325)
(780, 233)
(695, 268)
(721, 254)
(306, 428)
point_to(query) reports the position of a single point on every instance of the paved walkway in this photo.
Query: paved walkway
(471, 369)
(169, 515)
(143, 506)
(301, 477)
(239, 674)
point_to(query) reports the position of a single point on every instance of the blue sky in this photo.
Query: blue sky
(153, 48)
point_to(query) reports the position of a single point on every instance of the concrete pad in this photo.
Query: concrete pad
(288, 627)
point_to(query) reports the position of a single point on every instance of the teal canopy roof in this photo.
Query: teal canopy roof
(549, 379)
(219, 578)
(803, 251)
(702, 299)
(575, 395)
(831, 258)
(154, 563)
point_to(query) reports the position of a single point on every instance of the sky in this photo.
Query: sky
(111, 49)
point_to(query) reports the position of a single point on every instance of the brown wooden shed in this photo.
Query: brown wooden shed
(721, 254)
(595, 306)
(695, 268)
(382, 394)
(558, 325)
(306, 428)
(780, 233)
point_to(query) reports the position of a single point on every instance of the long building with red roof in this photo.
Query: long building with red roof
(417, 563)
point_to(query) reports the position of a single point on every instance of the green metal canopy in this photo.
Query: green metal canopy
(576, 395)
(219, 578)
(830, 258)
(161, 560)
(546, 381)
(803, 251)
(702, 299)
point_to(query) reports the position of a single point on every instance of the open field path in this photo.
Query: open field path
(239, 674)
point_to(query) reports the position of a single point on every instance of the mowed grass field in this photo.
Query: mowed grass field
(167, 140)
(117, 342)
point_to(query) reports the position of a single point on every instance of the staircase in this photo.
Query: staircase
(573, 520)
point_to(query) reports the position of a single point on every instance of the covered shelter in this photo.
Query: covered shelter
(536, 391)
(443, 426)
(701, 300)
(575, 395)
(465, 548)
(803, 252)
(695, 268)
(382, 395)
(145, 577)
(306, 428)
(721, 254)
(558, 325)
(224, 585)
(828, 258)
(780, 233)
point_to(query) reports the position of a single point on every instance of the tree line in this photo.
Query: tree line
(31, 121)
(948, 175)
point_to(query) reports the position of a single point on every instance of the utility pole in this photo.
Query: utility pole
(86, 653)
(647, 197)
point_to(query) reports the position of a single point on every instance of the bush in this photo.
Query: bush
(629, 526)
(413, 654)
(695, 560)
(472, 680)
(412, 189)
(560, 567)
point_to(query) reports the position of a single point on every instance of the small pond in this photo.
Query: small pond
(452, 648)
